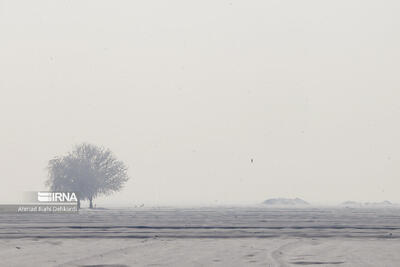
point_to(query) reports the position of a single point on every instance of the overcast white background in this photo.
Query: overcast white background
(186, 93)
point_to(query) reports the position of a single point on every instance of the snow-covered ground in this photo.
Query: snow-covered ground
(256, 236)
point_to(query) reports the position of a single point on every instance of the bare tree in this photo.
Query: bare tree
(88, 170)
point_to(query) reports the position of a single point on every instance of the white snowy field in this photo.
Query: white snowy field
(249, 236)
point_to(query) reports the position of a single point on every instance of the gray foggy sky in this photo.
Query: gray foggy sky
(187, 92)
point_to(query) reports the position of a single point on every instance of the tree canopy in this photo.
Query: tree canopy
(88, 170)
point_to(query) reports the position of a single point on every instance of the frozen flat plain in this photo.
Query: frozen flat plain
(235, 236)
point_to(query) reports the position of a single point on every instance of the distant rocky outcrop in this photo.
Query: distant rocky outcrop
(285, 202)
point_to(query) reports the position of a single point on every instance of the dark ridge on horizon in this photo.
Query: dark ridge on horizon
(285, 202)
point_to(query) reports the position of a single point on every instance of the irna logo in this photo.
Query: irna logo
(57, 197)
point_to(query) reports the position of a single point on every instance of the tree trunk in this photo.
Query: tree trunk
(91, 203)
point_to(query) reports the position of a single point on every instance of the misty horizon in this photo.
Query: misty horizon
(222, 103)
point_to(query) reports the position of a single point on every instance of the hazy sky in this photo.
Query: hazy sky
(187, 92)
